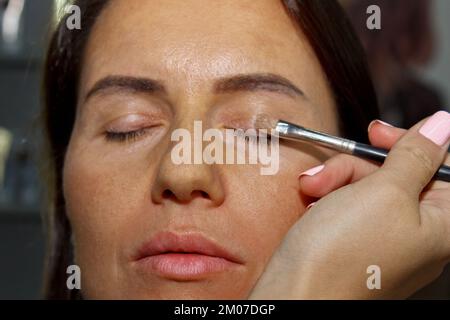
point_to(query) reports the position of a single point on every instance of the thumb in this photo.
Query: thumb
(416, 157)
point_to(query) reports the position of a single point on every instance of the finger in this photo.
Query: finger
(335, 173)
(383, 135)
(415, 158)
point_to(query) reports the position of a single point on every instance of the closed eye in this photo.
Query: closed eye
(129, 136)
(255, 137)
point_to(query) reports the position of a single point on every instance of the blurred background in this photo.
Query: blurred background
(409, 58)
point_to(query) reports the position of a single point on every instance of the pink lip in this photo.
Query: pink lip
(184, 256)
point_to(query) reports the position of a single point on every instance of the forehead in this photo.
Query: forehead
(190, 42)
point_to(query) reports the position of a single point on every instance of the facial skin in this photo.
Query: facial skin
(121, 194)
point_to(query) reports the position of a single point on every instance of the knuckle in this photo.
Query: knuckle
(420, 157)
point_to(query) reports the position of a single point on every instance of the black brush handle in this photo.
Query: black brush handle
(379, 155)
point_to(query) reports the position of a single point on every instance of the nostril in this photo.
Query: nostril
(200, 194)
(170, 195)
(167, 194)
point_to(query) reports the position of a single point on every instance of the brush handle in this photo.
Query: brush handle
(295, 132)
(379, 155)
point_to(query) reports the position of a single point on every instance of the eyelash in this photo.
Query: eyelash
(132, 136)
(267, 139)
(129, 136)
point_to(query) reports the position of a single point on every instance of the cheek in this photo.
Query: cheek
(102, 189)
(265, 207)
(101, 198)
(104, 199)
(89, 192)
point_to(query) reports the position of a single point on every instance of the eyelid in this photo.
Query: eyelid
(238, 123)
(242, 127)
(133, 122)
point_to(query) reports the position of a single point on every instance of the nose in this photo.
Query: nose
(182, 183)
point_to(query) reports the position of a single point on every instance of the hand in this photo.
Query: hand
(390, 216)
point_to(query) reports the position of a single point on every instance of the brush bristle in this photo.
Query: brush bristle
(264, 121)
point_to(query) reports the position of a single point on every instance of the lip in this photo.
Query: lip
(184, 256)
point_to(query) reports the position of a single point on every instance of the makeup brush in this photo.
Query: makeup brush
(295, 132)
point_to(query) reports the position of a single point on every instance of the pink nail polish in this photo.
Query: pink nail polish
(313, 171)
(380, 122)
(310, 206)
(384, 123)
(437, 128)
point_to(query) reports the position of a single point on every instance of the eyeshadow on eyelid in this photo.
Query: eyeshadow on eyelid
(238, 123)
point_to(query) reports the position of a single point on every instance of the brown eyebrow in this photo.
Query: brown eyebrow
(260, 81)
(126, 83)
(244, 82)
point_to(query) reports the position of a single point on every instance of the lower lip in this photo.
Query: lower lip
(185, 266)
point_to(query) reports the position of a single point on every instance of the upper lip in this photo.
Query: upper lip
(194, 243)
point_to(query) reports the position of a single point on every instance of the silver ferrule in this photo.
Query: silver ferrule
(294, 132)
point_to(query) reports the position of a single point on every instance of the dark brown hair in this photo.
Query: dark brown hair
(322, 21)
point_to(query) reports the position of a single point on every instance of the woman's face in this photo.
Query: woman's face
(146, 227)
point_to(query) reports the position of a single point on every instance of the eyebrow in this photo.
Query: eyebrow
(258, 82)
(243, 82)
(126, 83)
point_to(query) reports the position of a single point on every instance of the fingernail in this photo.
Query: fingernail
(310, 206)
(313, 171)
(437, 128)
(379, 122)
